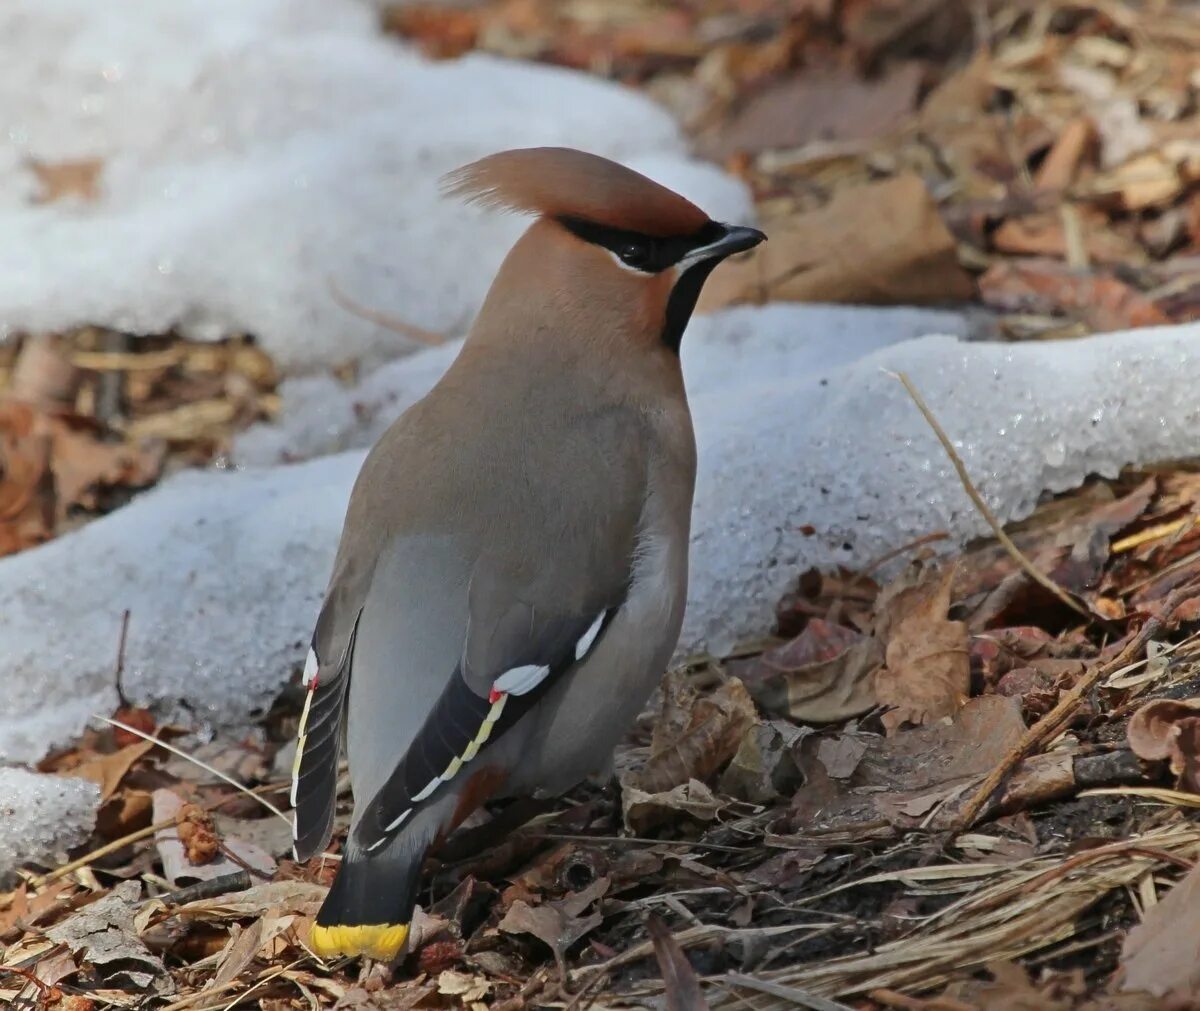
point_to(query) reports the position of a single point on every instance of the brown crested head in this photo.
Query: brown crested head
(615, 234)
(560, 182)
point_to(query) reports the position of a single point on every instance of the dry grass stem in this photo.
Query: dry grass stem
(1026, 565)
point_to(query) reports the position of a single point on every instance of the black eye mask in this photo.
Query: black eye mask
(647, 253)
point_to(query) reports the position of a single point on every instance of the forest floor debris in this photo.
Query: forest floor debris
(809, 820)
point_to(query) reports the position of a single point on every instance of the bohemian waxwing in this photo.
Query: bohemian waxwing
(511, 577)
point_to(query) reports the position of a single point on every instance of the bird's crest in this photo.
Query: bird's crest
(559, 182)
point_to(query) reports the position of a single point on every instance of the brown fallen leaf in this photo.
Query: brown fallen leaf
(680, 983)
(27, 512)
(818, 105)
(1146, 180)
(1100, 299)
(763, 768)
(825, 674)
(900, 781)
(696, 734)
(882, 243)
(559, 923)
(643, 811)
(1169, 729)
(53, 460)
(59, 180)
(107, 771)
(1161, 955)
(1062, 161)
(928, 670)
(1044, 234)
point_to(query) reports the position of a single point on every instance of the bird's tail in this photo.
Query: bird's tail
(369, 907)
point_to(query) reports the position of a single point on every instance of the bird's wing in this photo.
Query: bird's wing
(318, 745)
(513, 652)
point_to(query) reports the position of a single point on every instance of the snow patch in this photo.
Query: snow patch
(43, 817)
(255, 156)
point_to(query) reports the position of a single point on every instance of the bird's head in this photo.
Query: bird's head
(609, 245)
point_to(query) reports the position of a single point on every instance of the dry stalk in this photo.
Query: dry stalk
(1006, 542)
(409, 330)
(1028, 906)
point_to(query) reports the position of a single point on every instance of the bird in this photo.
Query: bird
(511, 577)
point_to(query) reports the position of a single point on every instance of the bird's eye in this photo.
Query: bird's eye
(635, 254)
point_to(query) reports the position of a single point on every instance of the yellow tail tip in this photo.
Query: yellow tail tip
(383, 941)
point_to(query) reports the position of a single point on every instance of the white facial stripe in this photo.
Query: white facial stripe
(696, 255)
(520, 680)
(588, 637)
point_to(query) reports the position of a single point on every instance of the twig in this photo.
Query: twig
(1006, 542)
(410, 330)
(246, 993)
(1049, 725)
(225, 884)
(44, 989)
(195, 761)
(121, 658)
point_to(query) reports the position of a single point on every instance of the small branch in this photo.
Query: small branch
(121, 643)
(1049, 726)
(238, 881)
(1026, 565)
(409, 330)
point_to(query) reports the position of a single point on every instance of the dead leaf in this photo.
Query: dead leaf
(103, 934)
(463, 985)
(644, 810)
(818, 106)
(763, 768)
(1161, 955)
(680, 983)
(1100, 299)
(107, 771)
(825, 674)
(1059, 167)
(928, 670)
(899, 780)
(51, 461)
(842, 754)
(59, 180)
(27, 513)
(883, 243)
(1044, 234)
(243, 945)
(1146, 180)
(710, 734)
(1169, 729)
(560, 923)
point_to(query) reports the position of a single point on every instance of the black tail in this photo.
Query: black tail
(369, 907)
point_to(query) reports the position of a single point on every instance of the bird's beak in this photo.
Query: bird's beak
(736, 239)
